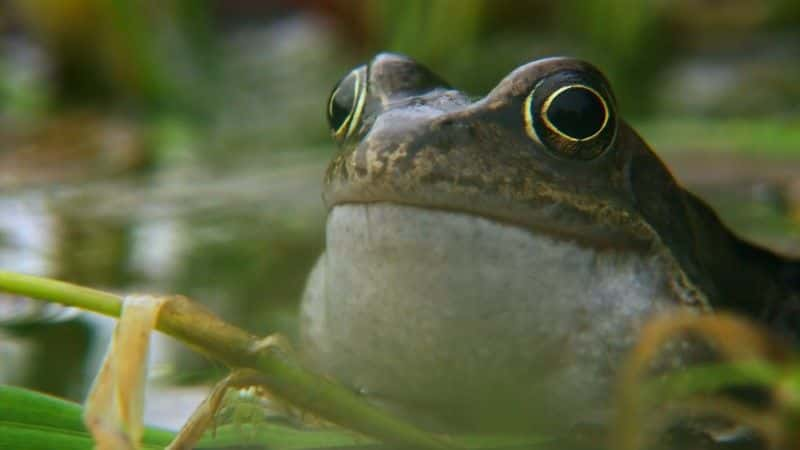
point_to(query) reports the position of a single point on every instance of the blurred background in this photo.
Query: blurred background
(178, 146)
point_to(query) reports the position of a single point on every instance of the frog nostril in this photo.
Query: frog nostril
(449, 125)
(452, 122)
(445, 123)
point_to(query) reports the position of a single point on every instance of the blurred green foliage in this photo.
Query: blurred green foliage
(185, 59)
(430, 31)
(22, 93)
(627, 39)
(766, 137)
(476, 42)
(142, 54)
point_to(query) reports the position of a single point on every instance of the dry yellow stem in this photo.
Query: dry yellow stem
(115, 404)
(734, 338)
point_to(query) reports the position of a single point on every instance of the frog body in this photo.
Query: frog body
(489, 263)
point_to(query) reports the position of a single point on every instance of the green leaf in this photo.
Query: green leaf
(33, 421)
(713, 378)
(280, 437)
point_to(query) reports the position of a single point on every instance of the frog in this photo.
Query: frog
(489, 261)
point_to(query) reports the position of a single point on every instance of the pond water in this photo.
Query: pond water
(240, 241)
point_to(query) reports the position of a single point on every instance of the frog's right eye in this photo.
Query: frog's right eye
(572, 113)
(346, 104)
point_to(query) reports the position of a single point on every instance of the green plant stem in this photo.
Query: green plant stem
(194, 325)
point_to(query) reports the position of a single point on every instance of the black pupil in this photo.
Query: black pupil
(577, 112)
(341, 103)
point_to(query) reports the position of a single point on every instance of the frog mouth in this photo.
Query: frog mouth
(554, 220)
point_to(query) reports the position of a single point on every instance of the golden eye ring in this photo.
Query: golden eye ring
(571, 114)
(346, 104)
(555, 129)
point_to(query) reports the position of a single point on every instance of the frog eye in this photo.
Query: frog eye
(575, 112)
(346, 103)
(570, 117)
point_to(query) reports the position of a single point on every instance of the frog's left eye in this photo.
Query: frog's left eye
(346, 103)
(571, 115)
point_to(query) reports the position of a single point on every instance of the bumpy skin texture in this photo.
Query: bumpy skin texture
(464, 254)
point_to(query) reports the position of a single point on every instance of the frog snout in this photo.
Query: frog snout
(391, 75)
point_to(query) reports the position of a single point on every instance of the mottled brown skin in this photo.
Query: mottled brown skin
(421, 143)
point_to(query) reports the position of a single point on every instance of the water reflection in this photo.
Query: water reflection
(240, 241)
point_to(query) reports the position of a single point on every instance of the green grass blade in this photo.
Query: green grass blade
(33, 421)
